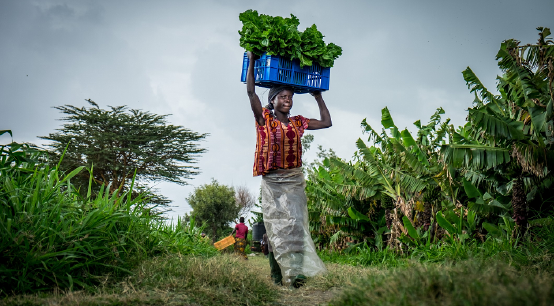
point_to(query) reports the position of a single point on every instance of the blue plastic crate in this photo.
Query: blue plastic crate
(273, 70)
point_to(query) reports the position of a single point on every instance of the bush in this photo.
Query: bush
(52, 237)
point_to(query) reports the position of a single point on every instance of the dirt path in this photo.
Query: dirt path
(315, 292)
(306, 297)
(167, 285)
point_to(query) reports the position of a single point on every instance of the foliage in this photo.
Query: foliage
(120, 142)
(52, 236)
(533, 251)
(257, 216)
(215, 205)
(506, 148)
(400, 167)
(280, 36)
(449, 184)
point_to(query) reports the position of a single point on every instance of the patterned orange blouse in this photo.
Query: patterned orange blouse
(278, 146)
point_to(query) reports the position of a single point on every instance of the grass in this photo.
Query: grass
(59, 248)
(469, 282)
(227, 280)
(172, 280)
(494, 272)
(51, 237)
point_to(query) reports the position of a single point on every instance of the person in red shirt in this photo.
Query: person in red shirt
(241, 231)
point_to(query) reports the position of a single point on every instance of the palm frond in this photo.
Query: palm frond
(494, 126)
(373, 135)
(475, 85)
(474, 156)
(533, 158)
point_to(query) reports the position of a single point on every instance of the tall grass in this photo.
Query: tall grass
(52, 237)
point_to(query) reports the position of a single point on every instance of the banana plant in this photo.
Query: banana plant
(502, 231)
(418, 237)
(508, 141)
(458, 228)
(482, 203)
(396, 165)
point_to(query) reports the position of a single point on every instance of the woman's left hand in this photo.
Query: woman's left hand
(325, 121)
(316, 94)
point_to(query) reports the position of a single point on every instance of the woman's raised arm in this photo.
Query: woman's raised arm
(325, 117)
(255, 102)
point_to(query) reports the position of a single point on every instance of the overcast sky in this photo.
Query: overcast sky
(183, 58)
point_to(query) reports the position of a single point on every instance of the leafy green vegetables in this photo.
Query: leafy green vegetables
(280, 36)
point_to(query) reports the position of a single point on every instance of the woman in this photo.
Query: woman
(240, 238)
(278, 159)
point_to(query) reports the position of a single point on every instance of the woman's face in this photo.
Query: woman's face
(283, 101)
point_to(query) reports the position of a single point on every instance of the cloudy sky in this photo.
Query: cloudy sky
(183, 58)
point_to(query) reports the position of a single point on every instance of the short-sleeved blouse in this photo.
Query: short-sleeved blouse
(278, 146)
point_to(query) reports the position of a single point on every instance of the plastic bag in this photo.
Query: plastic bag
(284, 206)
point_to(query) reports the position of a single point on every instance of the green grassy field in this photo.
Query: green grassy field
(60, 247)
(228, 280)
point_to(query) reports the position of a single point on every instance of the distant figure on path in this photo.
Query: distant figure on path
(278, 159)
(241, 231)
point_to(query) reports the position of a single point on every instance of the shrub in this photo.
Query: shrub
(52, 237)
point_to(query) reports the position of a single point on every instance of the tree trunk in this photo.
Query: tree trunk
(426, 215)
(397, 227)
(388, 218)
(519, 205)
(214, 233)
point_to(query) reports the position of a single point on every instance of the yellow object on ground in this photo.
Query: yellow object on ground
(225, 242)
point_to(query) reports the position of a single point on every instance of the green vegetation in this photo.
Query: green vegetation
(534, 252)
(173, 279)
(470, 283)
(124, 145)
(447, 185)
(214, 205)
(53, 237)
(443, 216)
(494, 272)
(280, 36)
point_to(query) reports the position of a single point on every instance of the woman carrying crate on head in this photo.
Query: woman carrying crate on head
(278, 159)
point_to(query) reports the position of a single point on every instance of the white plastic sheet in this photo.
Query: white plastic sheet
(284, 206)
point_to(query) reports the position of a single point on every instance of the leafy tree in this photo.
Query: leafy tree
(215, 205)
(118, 142)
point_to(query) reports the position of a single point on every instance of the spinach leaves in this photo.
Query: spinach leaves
(280, 36)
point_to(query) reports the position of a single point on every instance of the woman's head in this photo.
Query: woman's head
(280, 98)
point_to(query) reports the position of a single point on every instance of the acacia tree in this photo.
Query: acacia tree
(215, 205)
(118, 142)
